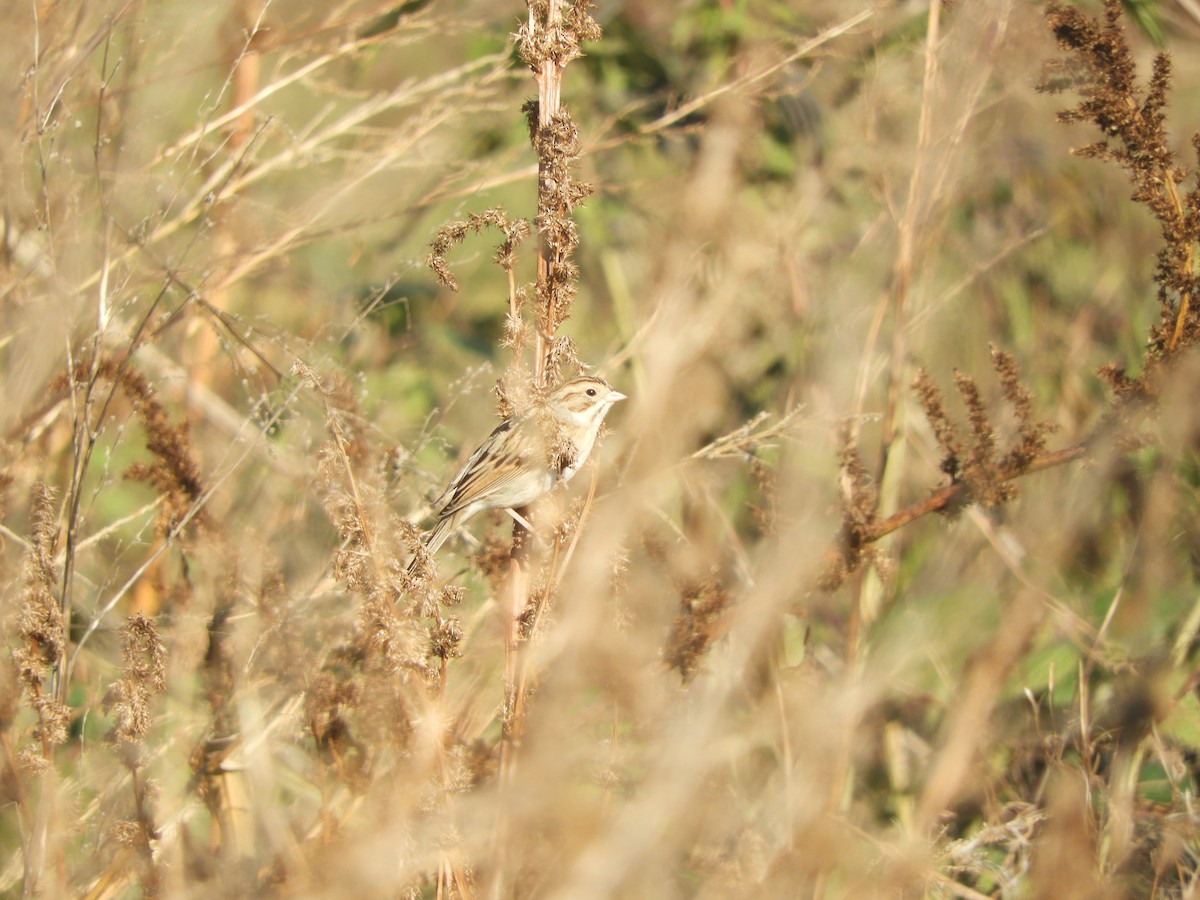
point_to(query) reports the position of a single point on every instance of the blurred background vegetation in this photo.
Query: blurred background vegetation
(796, 207)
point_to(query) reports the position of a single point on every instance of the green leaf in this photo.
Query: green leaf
(1144, 14)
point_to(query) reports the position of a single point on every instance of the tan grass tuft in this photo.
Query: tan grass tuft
(40, 625)
(144, 676)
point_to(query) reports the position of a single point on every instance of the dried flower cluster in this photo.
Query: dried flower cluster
(978, 472)
(397, 599)
(40, 626)
(559, 192)
(972, 460)
(555, 33)
(453, 233)
(1134, 136)
(327, 701)
(859, 500)
(144, 676)
(374, 541)
(174, 474)
(551, 38)
(1132, 122)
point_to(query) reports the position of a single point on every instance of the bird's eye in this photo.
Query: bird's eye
(591, 392)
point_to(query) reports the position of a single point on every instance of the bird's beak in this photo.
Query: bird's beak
(614, 396)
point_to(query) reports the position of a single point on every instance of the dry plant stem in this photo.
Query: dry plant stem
(244, 76)
(35, 847)
(946, 496)
(451, 872)
(1189, 265)
(545, 21)
(245, 72)
(518, 596)
(897, 299)
(785, 740)
(84, 441)
(85, 438)
(510, 724)
(549, 81)
(515, 666)
(18, 784)
(909, 226)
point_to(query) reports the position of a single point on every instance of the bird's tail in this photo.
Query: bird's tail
(436, 538)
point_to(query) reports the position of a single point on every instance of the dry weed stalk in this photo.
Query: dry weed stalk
(978, 473)
(144, 675)
(43, 635)
(42, 630)
(1101, 69)
(174, 473)
(550, 39)
(981, 472)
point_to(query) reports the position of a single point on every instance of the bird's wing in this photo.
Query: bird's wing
(487, 469)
